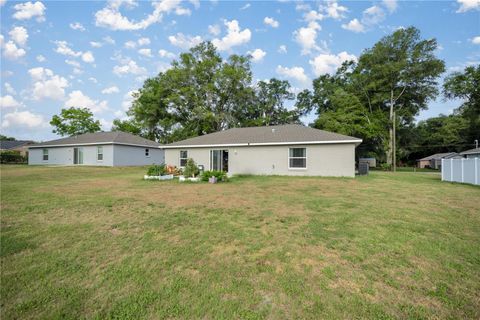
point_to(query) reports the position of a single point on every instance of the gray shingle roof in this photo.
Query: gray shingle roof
(439, 156)
(282, 134)
(471, 151)
(7, 144)
(113, 137)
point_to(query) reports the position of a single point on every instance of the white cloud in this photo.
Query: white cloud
(111, 18)
(313, 15)
(129, 66)
(88, 57)
(476, 40)
(334, 10)
(373, 15)
(23, 119)
(47, 84)
(63, 48)
(8, 102)
(77, 99)
(93, 80)
(165, 54)
(257, 55)
(391, 5)
(96, 44)
(110, 90)
(72, 63)
(234, 36)
(28, 10)
(9, 89)
(2, 2)
(466, 5)
(108, 40)
(328, 63)
(354, 25)
(40, 58)
(143, 41)
(271, 22)
(11, 51)
(127, 100)
(297, 73)
(214, 29)
(19, 35)
(145, 52)
(185, 42)
(282, 49)
(245, 6)
(130, 44)
(306, 37)
(77, 26)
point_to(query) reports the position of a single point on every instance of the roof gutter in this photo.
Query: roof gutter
(356, 142)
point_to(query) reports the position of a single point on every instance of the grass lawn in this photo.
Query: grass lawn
(80, 242)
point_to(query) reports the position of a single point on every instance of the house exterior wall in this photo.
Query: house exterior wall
(322, 159)
(423, 163)
(64, 156)
(135, 156)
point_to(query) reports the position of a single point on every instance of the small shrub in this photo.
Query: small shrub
(156, 170)
(386, 167)
(191, 169)
(12, 157)
(220, 175)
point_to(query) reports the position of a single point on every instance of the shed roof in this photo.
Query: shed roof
(471, 151)
(112, 137)
(439, 156)
(271, 135)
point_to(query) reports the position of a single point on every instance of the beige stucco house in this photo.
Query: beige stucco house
(273, 150)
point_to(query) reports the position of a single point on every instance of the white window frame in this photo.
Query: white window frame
(147, 152)
(45, 154)
(180, 158)
(296, 168)
(99, 148)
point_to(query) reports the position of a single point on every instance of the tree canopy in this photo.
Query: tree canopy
(74, 121)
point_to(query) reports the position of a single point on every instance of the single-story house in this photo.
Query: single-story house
(435, 160)
(272, 150)
(16, 145)
(97, 149)
(472, 153)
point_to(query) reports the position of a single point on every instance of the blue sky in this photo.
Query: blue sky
(58, 54)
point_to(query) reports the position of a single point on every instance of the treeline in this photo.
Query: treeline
(376, 98)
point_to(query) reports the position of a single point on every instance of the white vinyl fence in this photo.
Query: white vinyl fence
(461, 170)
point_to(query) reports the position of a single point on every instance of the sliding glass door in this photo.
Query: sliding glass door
(77, 155)
(219, 160)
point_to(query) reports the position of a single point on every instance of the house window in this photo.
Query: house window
(99, 153)
(183, 158)
(147, 153)
(297, 158)
(45, 154)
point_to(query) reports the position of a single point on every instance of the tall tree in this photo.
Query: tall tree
(129, 126)
(74, 121)
(466, 86)
(393, 80)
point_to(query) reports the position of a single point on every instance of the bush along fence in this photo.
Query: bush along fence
(461, 170)
(12, 157)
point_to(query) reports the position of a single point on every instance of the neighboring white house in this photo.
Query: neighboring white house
(472, 153)
(273, 150)
(97, 149)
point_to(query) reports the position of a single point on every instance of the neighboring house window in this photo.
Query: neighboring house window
(147, 152)
(183, 158)
(99, 153)
(297, 158)
(45, 154)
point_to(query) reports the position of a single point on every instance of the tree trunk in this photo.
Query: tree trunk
(390, 132)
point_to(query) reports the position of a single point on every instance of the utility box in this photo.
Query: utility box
(372, 162)
(363, 168)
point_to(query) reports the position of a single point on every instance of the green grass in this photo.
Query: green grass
(100, 243)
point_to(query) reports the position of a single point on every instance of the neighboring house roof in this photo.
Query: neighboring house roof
(271, 135)
(113, 137)
(445, 155)
(7, 144)
(471, 151)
